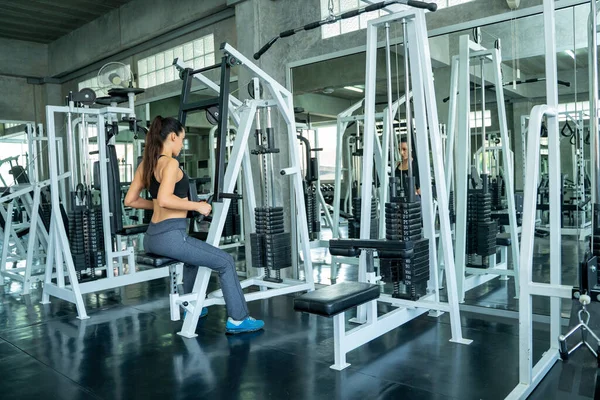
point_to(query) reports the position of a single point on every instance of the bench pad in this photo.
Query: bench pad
(133, 230)
(154, 260)
(337, 298)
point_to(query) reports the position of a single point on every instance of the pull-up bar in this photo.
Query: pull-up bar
(348, 14)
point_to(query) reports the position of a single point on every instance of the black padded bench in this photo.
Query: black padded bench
(337, 298)
(154, 260)
(157, 261)
(130, 230)
(334, 301)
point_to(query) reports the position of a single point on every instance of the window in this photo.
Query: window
(124, 155)
(475, 119)
(346, 25)
(573, 109)
(92, 83)
(327, 142)
(11, 150)
(360, 22)
(158, 68)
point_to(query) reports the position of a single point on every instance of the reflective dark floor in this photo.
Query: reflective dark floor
(129, 349)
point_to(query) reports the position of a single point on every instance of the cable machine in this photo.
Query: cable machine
(475, 230)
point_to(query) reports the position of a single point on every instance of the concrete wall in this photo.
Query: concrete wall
(20, 60)
(122, 28)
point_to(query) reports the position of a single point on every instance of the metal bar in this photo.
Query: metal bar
(424, 79)
(390, 117)
(223, 123)
(200, 105)
(462, 163)
(593, 93)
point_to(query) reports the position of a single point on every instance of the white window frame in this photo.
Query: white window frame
(350, 24)
(475, 119)
(158, 68)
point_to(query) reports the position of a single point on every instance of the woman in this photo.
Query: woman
(166, 236)
(402, 168)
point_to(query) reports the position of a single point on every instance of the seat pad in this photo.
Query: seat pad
(154, 260)
(337, 298)
(133, 230)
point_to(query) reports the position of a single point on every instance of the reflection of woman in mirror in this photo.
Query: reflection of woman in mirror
(402, 167)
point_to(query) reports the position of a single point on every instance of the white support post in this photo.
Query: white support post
(463, 143)
(509, 175)
(530, 375)
(339, 336)
(422, 48)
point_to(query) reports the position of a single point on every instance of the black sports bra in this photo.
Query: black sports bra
(181, 189)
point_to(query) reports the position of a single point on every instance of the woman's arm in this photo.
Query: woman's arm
(133, 199)
(167, 199)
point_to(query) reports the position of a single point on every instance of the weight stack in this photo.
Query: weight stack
(403, 223)
(498, 191)
(312, 219)
(271, 245)
(471, 242)
(232, 220)
(481, 229)
(77, 239)
(451, 208)
(96, 238)
(316, 218)
(487, 229)
(354, 226)
(596, 231)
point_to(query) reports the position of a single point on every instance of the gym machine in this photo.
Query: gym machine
(25, 233)
(575, 194)
(530, 374)
(351, 174)
(266, 226)
(401, 254)
(63, 262)
(476, 232)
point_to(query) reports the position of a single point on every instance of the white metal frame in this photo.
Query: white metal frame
(282, 99)
(425, 110)
(531, 375)
(34, 245)
(584, 228)
(459, 108)
(59, 260)
(37, 239)
(381, 159)
(211, 151)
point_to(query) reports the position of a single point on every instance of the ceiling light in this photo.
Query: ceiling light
(328, 90)
(570, 52)
(353, 88)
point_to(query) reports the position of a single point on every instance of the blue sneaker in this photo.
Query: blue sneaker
(248, 325)
(203, 314)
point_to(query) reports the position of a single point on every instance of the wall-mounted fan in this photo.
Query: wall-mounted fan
(117, 80)
(115, 75)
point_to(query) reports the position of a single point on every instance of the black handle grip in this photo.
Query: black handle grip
(313, 25)
(376, 6)
(421, 4)
(350, 14)
(266, 47)
(287, 33)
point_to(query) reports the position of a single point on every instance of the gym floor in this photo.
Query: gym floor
(129, 349)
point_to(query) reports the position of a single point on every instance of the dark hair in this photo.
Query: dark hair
(156, 136)
(403, 139)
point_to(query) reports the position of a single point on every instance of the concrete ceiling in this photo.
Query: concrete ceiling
(44, 21)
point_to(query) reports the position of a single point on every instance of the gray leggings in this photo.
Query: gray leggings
(169, 238)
